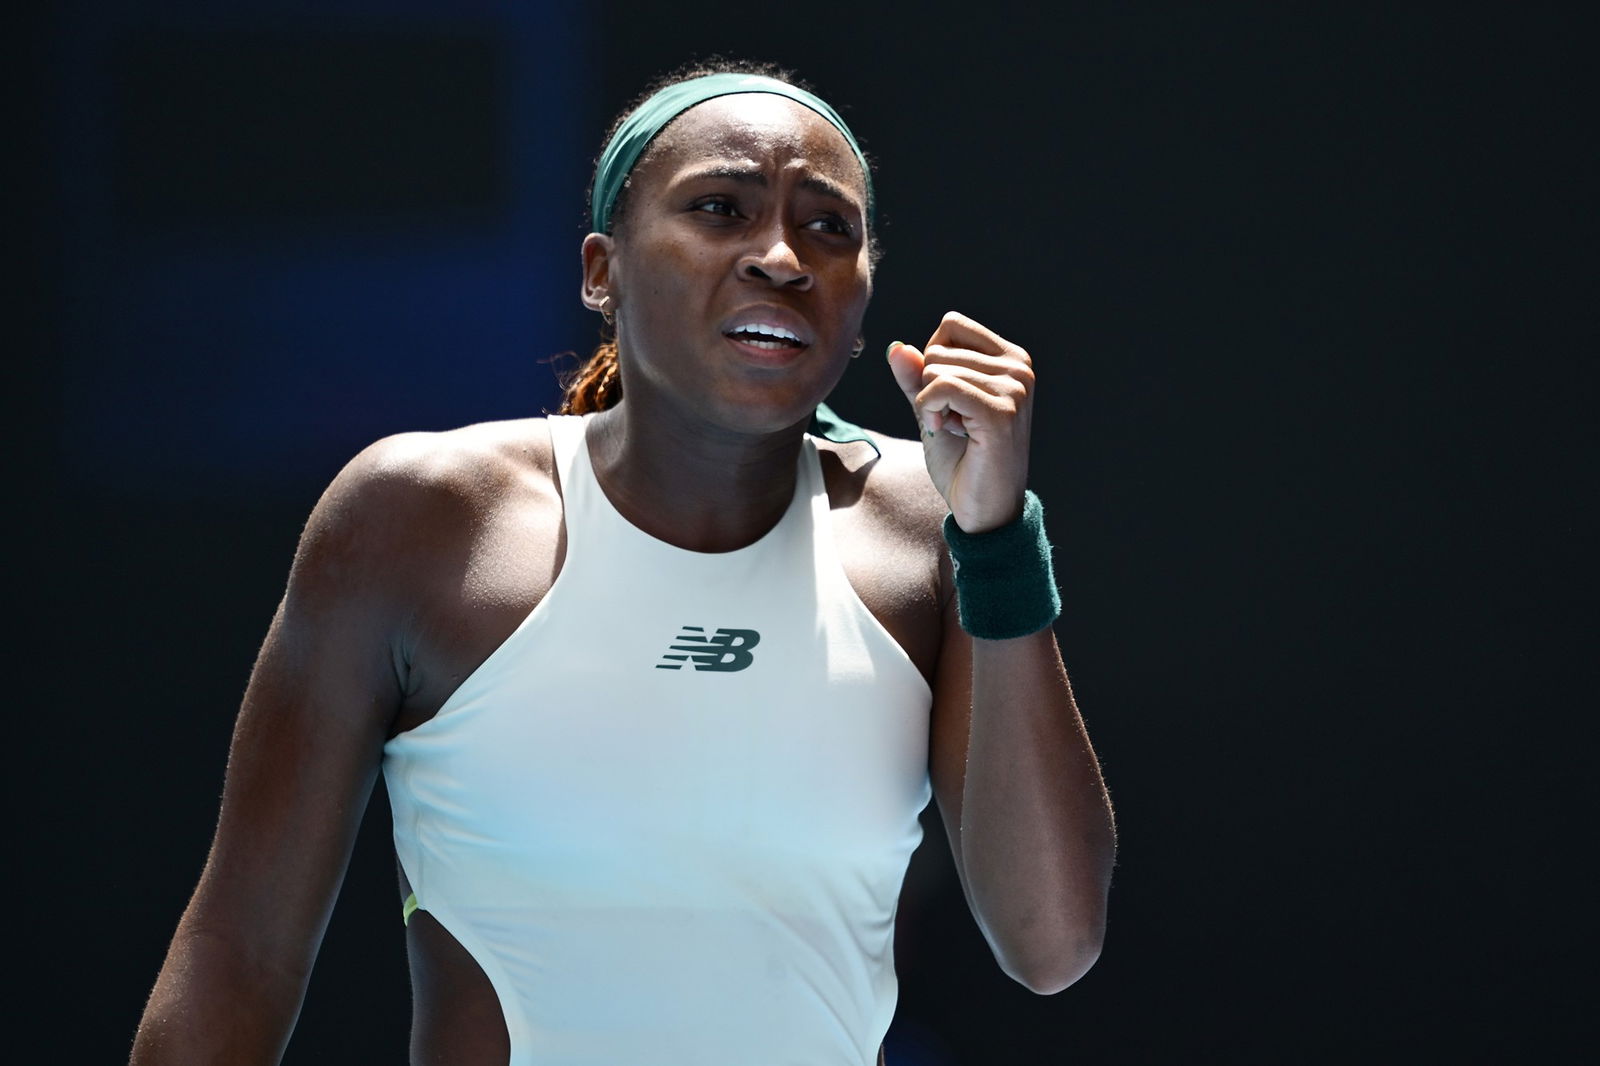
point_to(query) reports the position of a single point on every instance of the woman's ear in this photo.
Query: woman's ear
(597, 280)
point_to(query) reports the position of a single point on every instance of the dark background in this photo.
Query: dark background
(1310, 290)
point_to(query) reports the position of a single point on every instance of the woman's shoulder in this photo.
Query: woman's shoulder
(887, 519)
(474, 463)
(892, 487)
(410, 494)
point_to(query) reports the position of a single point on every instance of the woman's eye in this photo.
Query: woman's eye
(830, 224)
(716, 207)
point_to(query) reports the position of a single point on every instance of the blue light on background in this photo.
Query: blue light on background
(294, 228)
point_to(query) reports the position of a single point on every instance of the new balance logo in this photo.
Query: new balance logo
(724, 651)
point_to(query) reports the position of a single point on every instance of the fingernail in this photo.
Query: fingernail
(892, 346)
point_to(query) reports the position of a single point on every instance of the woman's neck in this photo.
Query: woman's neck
(692, 484)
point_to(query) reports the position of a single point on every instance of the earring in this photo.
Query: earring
(609, 316)
(861, 346)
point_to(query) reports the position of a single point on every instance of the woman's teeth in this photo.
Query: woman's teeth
(768, 337)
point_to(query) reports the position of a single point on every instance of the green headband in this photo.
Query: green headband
(652, 116)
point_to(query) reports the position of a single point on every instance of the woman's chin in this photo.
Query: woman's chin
(758, 411)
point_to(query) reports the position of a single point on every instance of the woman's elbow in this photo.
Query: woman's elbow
(1046, 972)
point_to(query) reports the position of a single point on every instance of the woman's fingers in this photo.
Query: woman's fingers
(1005, 372)
(979, 402)
(958, 331)
(967, 378)
(972, 393)
(906, 363)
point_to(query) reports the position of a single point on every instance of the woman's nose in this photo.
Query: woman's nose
(776, 263)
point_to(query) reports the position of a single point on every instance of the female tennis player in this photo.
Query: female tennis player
(659, 685)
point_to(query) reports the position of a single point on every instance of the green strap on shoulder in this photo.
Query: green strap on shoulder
(828, 425)
(408, 909)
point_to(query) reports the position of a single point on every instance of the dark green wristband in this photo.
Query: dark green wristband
(1005, 586)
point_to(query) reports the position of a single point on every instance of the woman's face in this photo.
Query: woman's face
(740, 271)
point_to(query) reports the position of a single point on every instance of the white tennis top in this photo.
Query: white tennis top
(670, 816)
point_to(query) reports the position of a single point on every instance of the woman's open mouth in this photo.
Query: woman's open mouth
(766, 338)
(767, 345)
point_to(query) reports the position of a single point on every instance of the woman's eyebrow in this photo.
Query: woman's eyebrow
(754, 176)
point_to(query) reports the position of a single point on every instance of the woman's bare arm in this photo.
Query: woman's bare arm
(1018, 784)
(1022, 799)
(305, 751)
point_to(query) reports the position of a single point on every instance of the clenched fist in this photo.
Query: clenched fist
(972, 393)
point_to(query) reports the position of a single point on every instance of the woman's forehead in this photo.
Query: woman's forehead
(756, 127)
